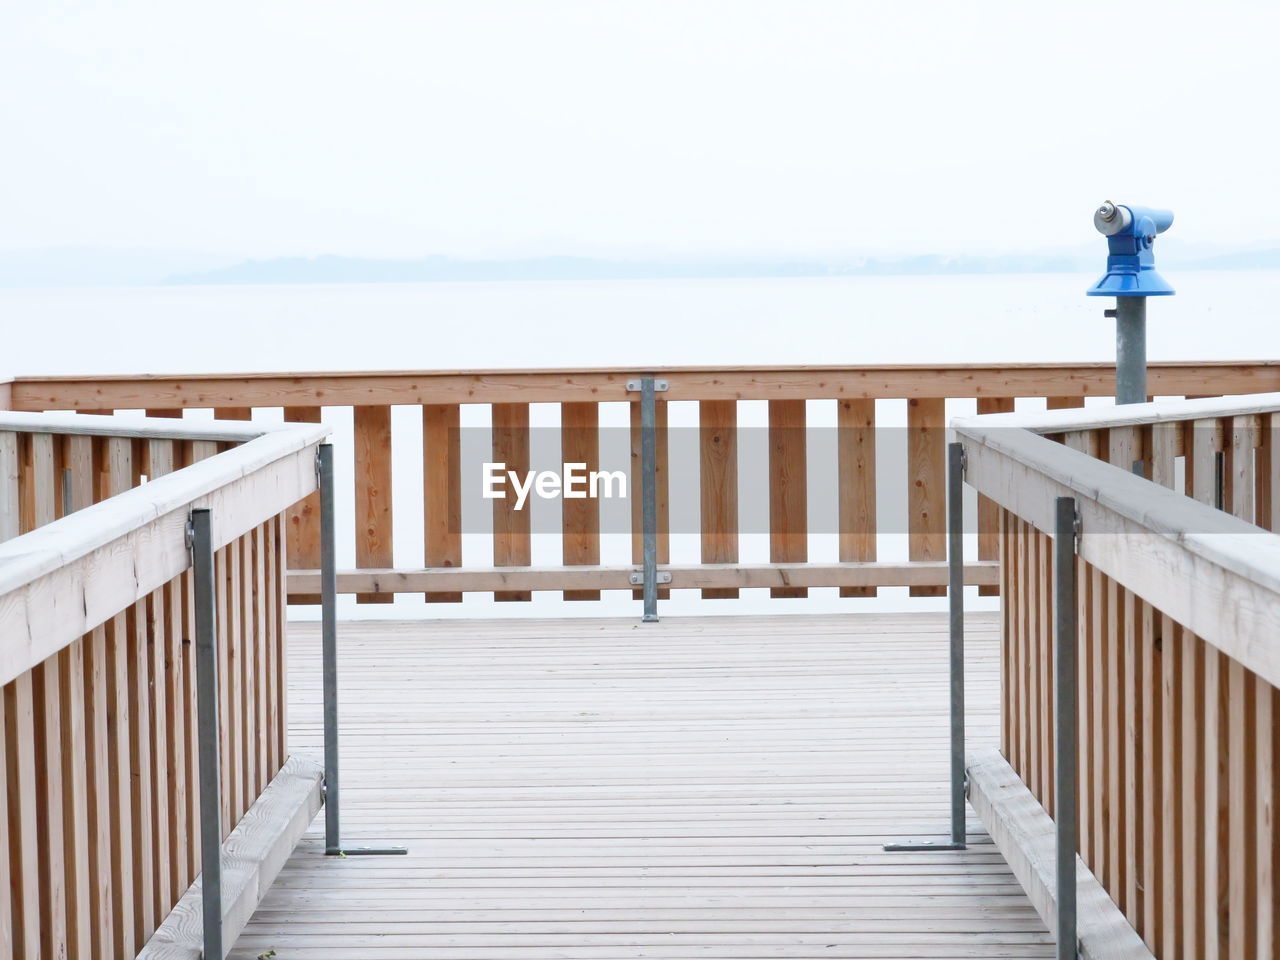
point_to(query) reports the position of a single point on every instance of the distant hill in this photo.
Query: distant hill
(61, 267)
(334, 269)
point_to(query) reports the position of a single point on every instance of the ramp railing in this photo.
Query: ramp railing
(1140, 656)
(144, 710)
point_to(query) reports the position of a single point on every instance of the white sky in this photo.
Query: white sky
(483, 128)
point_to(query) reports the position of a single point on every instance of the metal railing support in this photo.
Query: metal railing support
(329, 650)
(955, 598)
(955, 601)
(649, 496)
(1065, 718)
(329, 642)
(206, 626)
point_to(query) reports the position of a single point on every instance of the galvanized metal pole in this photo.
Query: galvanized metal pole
(1131, 349)
(329, 667)
(1064, 716)
(955, 595)
(329, 653)
(649, 496)
(955, 590)
(201, 538)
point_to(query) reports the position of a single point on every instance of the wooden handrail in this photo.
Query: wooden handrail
(440, 396)
(63, 579)
(1178, 575)
(376, 388)
(98, 781)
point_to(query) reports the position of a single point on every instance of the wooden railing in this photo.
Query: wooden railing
(446, 573)
(1178, 652)
(99, 751)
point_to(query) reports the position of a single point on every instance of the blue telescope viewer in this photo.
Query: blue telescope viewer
(1131, 277)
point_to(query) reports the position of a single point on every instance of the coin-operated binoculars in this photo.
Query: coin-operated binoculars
(1131, 277)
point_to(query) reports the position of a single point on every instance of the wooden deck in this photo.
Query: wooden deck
(709, 787)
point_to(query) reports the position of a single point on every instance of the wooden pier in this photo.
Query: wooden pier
(700, 787)
(716, 787)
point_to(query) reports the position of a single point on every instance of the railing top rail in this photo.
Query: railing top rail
(1213, 572)
(67, 577)
(1128, 415)
(597, 384)
(155, 428)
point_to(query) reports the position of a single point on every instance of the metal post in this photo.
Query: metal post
(329, 670)
(955, 590)
(1131, 349)
(201, 538)
(649, 496)
(1064, 716)
(329, 641)
(955, 596)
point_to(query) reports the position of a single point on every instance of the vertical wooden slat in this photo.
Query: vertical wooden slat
(140, 769)
(1216, 858)
(1006, 674)
(303, 517)
(245, 675)
(9, 496)
(373, 494)
(511, 543)
(180, 830)
(1192, 727)
(718, 482)
(98, 774)
(1240, 477)
(987, 509)
(1116, 727)
(281, 641)
(1171, 706)
(662, 476)
(580, 517)
(235, 755)
(926, 485)
(191, 751)
(6, 861)
(442, 490)
(233, 413)
(856, 444)
(1044, 641)
(225, 653)
(120, 781)
(264, 771)
(24, 844)
(274, 641)
(47, 711)
(1268, 474)
(1241, 935)
(74, 702)
(1084, 712)
(158, 718)
(1100, 682)
(1132, 679)
(788, 489)
(1263, 828)
(1164, 447)
(1151, 678)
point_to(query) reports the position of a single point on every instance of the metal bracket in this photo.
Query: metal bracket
(659, 386)
(368, 852)
(910, 845)
(1077, 527)
(964, 461)
(319, 473)
(190, 534)
(636, 579)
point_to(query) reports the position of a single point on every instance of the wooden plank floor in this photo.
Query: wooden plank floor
(711, 787)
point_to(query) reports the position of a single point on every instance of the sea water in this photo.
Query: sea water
(632, 324)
